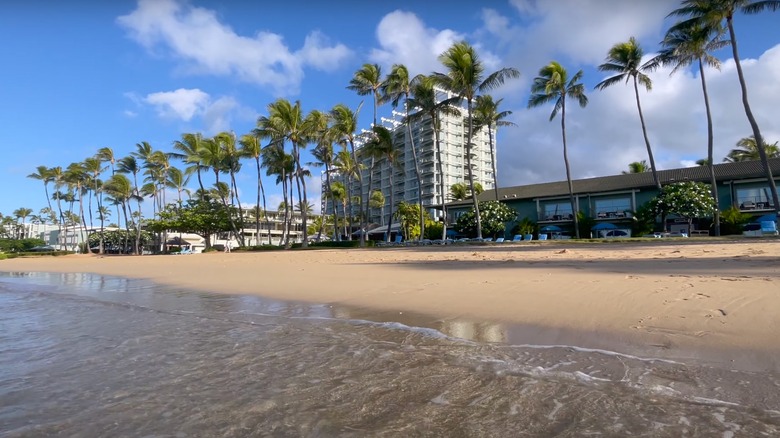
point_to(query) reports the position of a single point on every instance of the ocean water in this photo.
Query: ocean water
(92, 356)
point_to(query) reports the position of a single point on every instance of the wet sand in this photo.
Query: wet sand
(710, 300)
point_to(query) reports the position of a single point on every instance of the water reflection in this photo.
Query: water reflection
(147, 294)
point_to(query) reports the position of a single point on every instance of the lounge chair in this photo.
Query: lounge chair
(517, 238)
(500, 240)
(185, 251)
(528, 237)
(542, 237)
(769, 228)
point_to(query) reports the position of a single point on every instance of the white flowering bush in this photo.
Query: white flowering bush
(686, 199)
(493, 216)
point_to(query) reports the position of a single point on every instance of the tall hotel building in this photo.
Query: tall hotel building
(452, 137)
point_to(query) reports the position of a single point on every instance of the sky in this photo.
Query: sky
(81, 75)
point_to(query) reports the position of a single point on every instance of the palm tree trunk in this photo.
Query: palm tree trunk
(442, 184)
(257, 204)
(138, 249)
(390, 213)
(568, 171)
(467, 150)
(239, 236)
(360, 199)
(493, 159)
(83, 230)
(200, 183)
(304, 201)
(647, 140)
(333, 202)
(233, 228)
(370, 186)
(61, 237)
(710, 158)
(348, 218)
(751, 119)
(416, 173)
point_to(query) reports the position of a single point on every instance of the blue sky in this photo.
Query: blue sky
(82, 75)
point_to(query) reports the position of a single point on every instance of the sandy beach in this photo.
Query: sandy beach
(711, 300)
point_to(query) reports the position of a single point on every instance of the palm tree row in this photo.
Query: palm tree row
(700, 32)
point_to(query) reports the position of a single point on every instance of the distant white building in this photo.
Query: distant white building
(452, 138)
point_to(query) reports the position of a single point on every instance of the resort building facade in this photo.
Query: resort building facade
(452, 138)
(615, 198)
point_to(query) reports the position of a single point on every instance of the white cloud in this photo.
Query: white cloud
(206, 46)
(187, 105)
(404, 39)
(181, 103)
(318, 54)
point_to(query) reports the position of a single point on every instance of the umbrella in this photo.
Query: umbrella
(551, 228)
(604, 226)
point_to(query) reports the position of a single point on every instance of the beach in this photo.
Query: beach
(713, 301)
(665, 338)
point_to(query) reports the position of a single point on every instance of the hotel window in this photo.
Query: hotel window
(754, 198)
(557, 211)
(612, 208)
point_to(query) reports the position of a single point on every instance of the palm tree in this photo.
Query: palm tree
(177, 180)
(344, 127)
(106, 155)
(250, 148)
(282, 165)
(368, 80)
(338, 193)
(77, 178)
(43, 173)
(553, 85)
(747, 150)
(130, 165)
(710, 14)
(486, 113)
(58, 179)
(465, 77)
(381, 146)
(21, 215)
(120, 190)
(461, 191)
(287, 122)
(681, 47)
(625, 59)
(424, 98)
(94, 168)
(350, 169)
(399, 85)
(703, 162)
(323, 152)
(189, 145)
(637, 167)
(232, 164)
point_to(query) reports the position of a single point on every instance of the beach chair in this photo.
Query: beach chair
(769, 227)
(528, 237)
(398, 239)
(517, 238)
(487, 239)
(542, 237)
(500, 240)
(185, 251)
